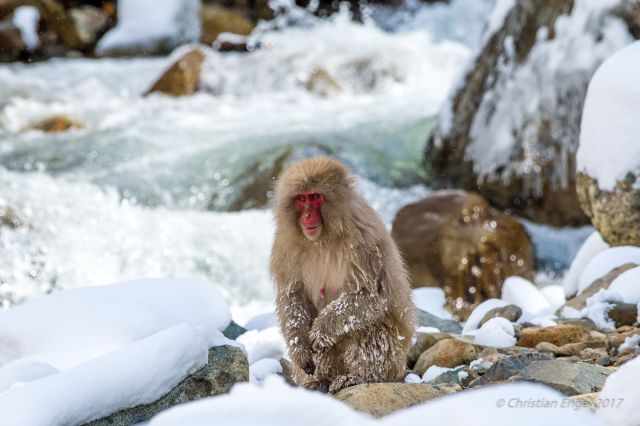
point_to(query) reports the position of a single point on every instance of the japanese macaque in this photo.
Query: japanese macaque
(343, 298)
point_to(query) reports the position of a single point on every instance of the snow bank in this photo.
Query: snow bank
(432, 300)
(605, 261)
(607, 121)
(274, 404)
(621, 395)
(524, 294)
(497, 333)
(145, 23)
(479, 312)
(593, 246)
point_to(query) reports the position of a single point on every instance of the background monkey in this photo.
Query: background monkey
(343, 298)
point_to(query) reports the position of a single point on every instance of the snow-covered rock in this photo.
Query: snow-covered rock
(608, 179)
(592, 246)
(260, 344)
(622, 396)
(479, 312)
(146, 26)
(432, 300)
(497, 333)
(523, 293)
(606, 261)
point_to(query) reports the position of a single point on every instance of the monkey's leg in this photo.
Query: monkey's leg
(307, 381)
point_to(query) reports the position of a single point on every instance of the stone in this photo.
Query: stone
(579, 302)
(509, 312)
(56, 124)
(217, 20)
(423, 342)
(505, 368)
(90, 23)
(11, 44)
(455, 240)
(322, 83)
(587, 400)
(532, 170)
(287, 371)
(10, 218)
(425, 319)
(569, 378)
(182, 78)
(458, 377)
(381, 399)
(559, 335)
(623, 314)
(446, 353)
(227, 365)
(233, 331)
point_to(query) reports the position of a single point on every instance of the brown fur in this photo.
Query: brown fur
(361, 330)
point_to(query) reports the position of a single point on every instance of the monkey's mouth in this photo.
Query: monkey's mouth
(312, 229)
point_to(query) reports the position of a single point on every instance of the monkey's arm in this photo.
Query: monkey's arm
(355, 309)
(295, 316)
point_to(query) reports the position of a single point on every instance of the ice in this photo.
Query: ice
(26, 18)
(606, 121)
(432, 300)
(479, 312)
(605, 261)
(144, 23)
(524, 294)
(620, 396)
(593, 246)
(497, 333)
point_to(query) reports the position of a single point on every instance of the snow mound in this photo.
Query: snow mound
(605, 261)
(260, 344)
(593, 246)
(497, 332)
(524, 294)
(626, 285)
(607, 120)
(622, 395)
(479, 312)
(431, 300)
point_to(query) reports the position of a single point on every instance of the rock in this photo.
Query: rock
(615, 214)
(233, 331)
(454, 240)
(509, 312)
(11, 44)
(446, 353)
(182, 78)
(558, 335)
(458, 377)
(287, 371)
(587, 400)
(617, 338)
(569, 378)
(381, 399)
(505, 368)
(10, 218)
(623, 314)
(227, 365)
(322, 83)
(90, 23)
(580, 301)
(598, 356)
(423, 342)
(56, 124)
(217, 20)
(511, 128)
(425, 319)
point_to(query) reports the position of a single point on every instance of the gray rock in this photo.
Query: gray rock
(510, 312)
(459, 376)
(227, 365)
(570, 378)
(503, 369)
(234, 330)
(425, 319)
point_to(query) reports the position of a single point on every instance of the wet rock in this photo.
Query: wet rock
(423, 342)
(182, 78)
(580, 301)
(509, 312)
(233, 331)
(425, 319)
(615, 214)
(531, 167)
(505, 368)
(217, 20)
(623, 314)
(56, 124)
(226, 366)
(90, 23)
(454, 240)
(11, 44)
(569, 378)
(558, 335)
(322, 83)
(446, 353)
(381, 399)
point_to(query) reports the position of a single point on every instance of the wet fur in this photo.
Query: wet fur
(361, 330)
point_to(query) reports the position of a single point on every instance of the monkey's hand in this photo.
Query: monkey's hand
(302, 356)
(321, 339)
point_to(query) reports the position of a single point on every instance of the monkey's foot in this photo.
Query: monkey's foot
(342, 382)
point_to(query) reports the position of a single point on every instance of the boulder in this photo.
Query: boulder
(510, 129)
(423, 342)
(580, 301)
(381, 399)
(455, 240)
(217, 20)
(55, 124)
(558, 335)
(90, 23)
(182, 78)
(569, 378)
(509, 312)
(446, 353)
(227, 365)
(505, 368)
(425, 319)
(234, 330)
(11, 44)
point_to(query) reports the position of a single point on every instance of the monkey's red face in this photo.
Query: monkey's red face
(308, 206)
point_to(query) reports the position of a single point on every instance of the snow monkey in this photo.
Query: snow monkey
(343, 298)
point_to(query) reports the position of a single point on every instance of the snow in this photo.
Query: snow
(479, 312)
(497, 332)
(260, 344)
(605, 261)
(433, 372)
(606, 121)
(143, 23)
(262, 321)
(82, 354)
(593, 246)
(626, 285)
(138, 374)
(554, 295)
(631, 343)
(264, 368)
(498, 15)
(622, 396)
(524, 294)
(412, 378)
(26, 19)
(432, 300)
